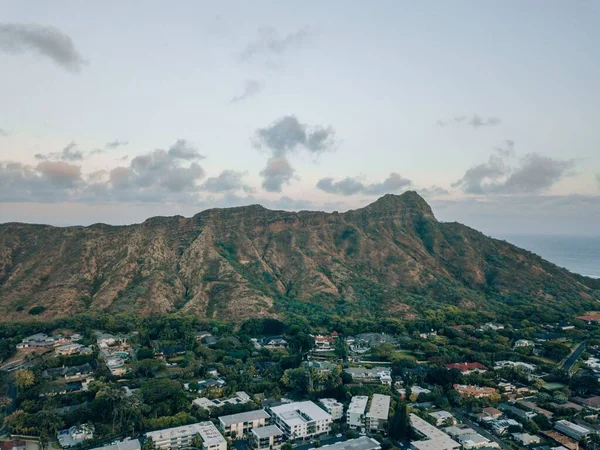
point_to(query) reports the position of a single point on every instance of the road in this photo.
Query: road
(573, 357)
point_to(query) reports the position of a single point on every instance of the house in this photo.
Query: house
(301, 420)
(590, 402)
(275, 343)
(492, 413)
(414, 390)
(333, 407)
(324, 343)
(517, 412)
(432, 438)
(72, 349)
(75, 435)
(521, 343)
(475, 440)
(201, 335)
(491, 327)
(428, 334)
(535, 408)
(209, 340)
(526, 439)
(322, 366)
(381, 374)
(127, 444)
(208, 385)
(68, 373)
(442, 418)
(475, 391)
(269, 437)
(467, 368)
(237, 426)
(178, 437)
(565, 441)
(454, 431)
(355, 416)
(105, 340)
(573, 430)
(240, 398)
(36, 340)
(501, 426)
(522, 365)
(13, 445)
(360, 443)
(378, 413)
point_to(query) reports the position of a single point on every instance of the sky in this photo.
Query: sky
(118, 111)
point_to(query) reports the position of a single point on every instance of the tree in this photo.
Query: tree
(298, 380)
(5, 402)
(48, 423)
(399, 426)
(24, 378)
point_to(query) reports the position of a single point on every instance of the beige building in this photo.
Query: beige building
(266, 438)
(239, 425)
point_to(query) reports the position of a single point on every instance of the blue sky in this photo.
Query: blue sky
(489, 109)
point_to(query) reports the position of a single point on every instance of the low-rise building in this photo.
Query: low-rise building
(432, 437)
(240, 398)
(355, 416)
(572, 430)
(443, 418)
(178, 437)
(360, 443)
(127, 444)
(333, 407)
(502, 426)
(414, 390)
(475, 440)
(237, 426)
(301, 420)
(526, 439)
(517, 412)
(74, 436)
(475, 391)
(269, 437)
(375, 374)
(37, 340)
(467, 367)
(523, 343)
(492, 413)
(378, 413)
(275, 343)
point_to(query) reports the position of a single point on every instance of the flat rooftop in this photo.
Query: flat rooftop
(361, 443)
(247, 416)
(300, 412)
(380, 407)
(268, 431)
(435, 439)
(358, 404)
(209, 433)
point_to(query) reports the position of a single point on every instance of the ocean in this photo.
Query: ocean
(579, 254)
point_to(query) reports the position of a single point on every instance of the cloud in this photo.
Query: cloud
(227, 181)
(284, 136)
(598, 180)
(475, 121)
(433, 191)
(69, 153)
(277, 173)
(115, 144)
(19, 38)
(251, 88)
(182, 149)
(534, 173)
(350, 186)
(3, 132)
(269, 47)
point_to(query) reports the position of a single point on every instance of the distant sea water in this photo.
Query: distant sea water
(579, 254)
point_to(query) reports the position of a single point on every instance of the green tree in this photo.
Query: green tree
(399, 425)
(24, 378)
(48, 423)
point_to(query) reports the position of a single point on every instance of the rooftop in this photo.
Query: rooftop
(358, 404)
(435, 438)
(265, 432)
(300, 412)
(244, 417)
(361, 443)
(129, 444)
(209, 433)
(380, 407)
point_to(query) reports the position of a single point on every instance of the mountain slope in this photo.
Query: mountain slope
(390, 258)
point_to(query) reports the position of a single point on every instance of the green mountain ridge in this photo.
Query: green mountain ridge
(391, 258)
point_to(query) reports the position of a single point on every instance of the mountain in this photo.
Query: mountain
(390, 258)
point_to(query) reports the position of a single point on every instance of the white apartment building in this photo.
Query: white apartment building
(379, 411)
(333, 407)
(432, 437)
(179, 437)
(355, 416)
(266, 438)
(572, 430)
(237, 426)
(301, 420)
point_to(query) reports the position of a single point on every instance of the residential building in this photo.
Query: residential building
(13, 445)
(128, 444)
(517, 412)
(526, 439)
(475, 440)
(467, 367)
(454, 431)
(503, 364)
(75, 435)
(443, 418)
(324, 343)
(572, 430)
(72, 349)
(37, 340)
(523, 343)
(301, 420)
(333, 407)
(361, 443)
(474, 391)
(492, 412)
(275, 342)
(501, 426)
(322, 366)
(237, 426)
(378, 413)
(591, 402)
(535, 408)
(564, 441)
(414, 390)
(432, 437)
(355, 416)
(178, 437)
(269, 437)
(381, 374)
(240, 398)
